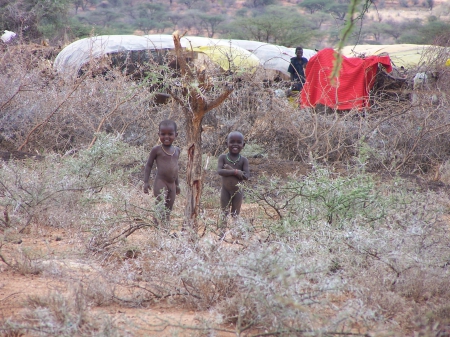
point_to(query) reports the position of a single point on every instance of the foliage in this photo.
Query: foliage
(62, 315)
(33, 17)
(259, 3)
(347, 246)
(427, 32)
(314, 5)
(320, 197)
(151, 17)
(29, 190)
(274, 26)
(210, 23)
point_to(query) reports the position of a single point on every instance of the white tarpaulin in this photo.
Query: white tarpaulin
(406, 55)
(7, 36)
(80, 52)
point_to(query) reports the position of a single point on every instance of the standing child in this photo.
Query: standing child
(233, 168)
(165, 185)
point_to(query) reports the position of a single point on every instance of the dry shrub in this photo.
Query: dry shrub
(66, 315)
(22, 259)
(292, 275)
(59, 115)
(98, 291)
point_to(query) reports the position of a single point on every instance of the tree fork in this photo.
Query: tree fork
(194, 112)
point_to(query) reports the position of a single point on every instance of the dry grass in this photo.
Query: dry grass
(351, 251)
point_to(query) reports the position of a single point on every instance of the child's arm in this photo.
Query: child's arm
(177, 183)
(148, 169)
(224, 169)
(177, 186)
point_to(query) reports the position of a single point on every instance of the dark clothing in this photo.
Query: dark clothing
(297, 71)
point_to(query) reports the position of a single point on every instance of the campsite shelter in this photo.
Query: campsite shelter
(238, 54)
(350, 89)
(402, 55)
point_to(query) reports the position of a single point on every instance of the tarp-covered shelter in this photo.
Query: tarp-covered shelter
(348, 90)
(402, 55)
(243, 53)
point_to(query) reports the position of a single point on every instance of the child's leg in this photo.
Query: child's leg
(225, 200)
(161, 191)
(236, 203)
(170, 200)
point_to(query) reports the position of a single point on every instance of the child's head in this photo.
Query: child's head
(167, 132)
(168, 123)
(235, 142)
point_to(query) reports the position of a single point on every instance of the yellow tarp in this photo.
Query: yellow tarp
(230, 58)
(405, 55)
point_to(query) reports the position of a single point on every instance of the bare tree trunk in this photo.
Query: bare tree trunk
(194, 179)
(194, 112)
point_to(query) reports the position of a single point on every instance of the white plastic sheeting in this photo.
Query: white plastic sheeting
(7, 36)
(78, 53)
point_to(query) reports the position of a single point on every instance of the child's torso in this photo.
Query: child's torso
(167, 165)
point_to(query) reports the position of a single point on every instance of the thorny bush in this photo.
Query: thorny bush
(337, 254)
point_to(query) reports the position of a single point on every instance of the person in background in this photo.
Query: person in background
(297, 69)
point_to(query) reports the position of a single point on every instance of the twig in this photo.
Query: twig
(12, 97)
(109, 115)
(4, 298)
(45, 121)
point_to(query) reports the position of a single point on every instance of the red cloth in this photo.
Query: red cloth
(350, 89)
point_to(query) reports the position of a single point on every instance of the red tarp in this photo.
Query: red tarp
(350, 89)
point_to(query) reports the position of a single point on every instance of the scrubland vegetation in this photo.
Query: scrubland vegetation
(346, 233)
(311, 23)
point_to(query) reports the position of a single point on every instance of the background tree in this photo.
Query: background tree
(192, 4)
(79, 4)
(276, 25)
(103, 17)
(318, 19)
(337, 9)
(426, 33)
(429, 4)
(393, 28)
(313, 6)
(33, 19)
(174, 17)
(258, 3)
(375, 30)
(151, 16)
(19, 18)
(210, 23)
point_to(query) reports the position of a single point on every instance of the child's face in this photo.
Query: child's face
(167, 134)
(235, 143)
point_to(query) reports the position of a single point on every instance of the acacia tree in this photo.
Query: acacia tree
(313, 6)
(210, 23)
(274, 26)
(195, 105)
